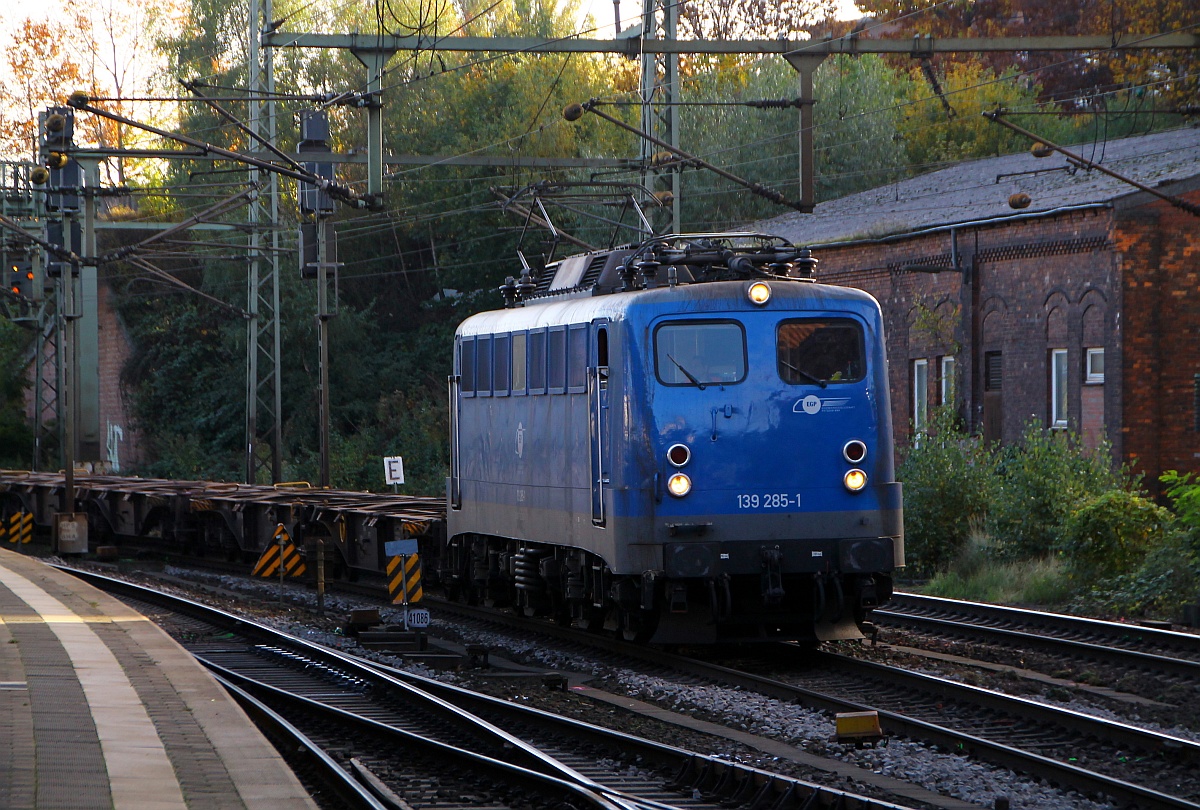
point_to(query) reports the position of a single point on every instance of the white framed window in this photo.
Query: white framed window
(1058, 388)
(1094, 370)
(920, 397)
(947, 381)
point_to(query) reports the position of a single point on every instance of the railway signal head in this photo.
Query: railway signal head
(59, 172)
(314, 137)
(57, 125)
(20, 279)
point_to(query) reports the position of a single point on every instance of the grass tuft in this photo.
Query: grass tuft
(976, 575)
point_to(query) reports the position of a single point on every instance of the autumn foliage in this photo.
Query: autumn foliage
(1070, 79)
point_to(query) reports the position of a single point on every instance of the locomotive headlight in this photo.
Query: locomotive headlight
(679, 455)
(679, 485)
(854, 480)
(854, 451)
(759, 293)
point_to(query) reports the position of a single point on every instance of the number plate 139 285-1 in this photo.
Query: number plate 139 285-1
(768, 500)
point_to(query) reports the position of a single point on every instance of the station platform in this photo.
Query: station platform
(99, 708)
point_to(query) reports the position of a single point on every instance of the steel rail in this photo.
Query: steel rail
(1113, 633)
(269, 695)
(1117, 656)
(332, 775)
(995, 752)
(1086, 724)
(737, 778)
(499, 739)
(647, 750)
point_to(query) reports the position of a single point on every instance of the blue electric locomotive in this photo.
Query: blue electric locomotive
(686, 441)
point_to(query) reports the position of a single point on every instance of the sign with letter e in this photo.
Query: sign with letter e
(393, 469)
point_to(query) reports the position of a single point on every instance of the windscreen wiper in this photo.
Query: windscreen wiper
(802, 373)
(686, 373)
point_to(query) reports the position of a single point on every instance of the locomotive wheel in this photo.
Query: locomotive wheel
(635, 625)
(592, 619)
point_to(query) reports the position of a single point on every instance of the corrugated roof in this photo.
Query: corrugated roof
(979, 189)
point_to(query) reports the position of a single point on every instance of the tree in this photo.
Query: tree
(16, 435)
(1072, 80)
(935, 134)
(41, 73)
(744, 19)
(440, 229)
(856, 120)
(110, 42)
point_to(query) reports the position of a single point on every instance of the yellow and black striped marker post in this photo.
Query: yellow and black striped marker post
(280, 552)
(19, 528)
(404, 579)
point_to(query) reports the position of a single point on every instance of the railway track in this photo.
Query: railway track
(1093, 754)
(418, 742)
(1129, 647)
(1132, 766)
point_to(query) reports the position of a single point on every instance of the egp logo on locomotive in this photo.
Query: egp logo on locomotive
(813, 404)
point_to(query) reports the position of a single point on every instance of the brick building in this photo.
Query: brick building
(1081, 310)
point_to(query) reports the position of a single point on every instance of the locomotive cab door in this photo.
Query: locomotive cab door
(598, 442)
(454, 493)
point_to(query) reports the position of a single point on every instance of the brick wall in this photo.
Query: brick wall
(1014, 275)
(120, 441)
(1158, 248)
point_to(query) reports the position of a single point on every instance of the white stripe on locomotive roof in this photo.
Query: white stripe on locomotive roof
(584, 309)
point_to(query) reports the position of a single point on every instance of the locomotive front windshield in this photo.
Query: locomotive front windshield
(820, 351)
(700, 353)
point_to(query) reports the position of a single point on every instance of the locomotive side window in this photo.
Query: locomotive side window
(557, 356)
(700, 353)
(537, 362)
(483, 366)
(602, 348)
(820, 351)
(466, 366)
(577, 359)
(500, 365)
(518, 362)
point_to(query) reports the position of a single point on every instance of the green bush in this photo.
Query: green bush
(1185, 498)
(948, 480)
(1111, 534)
(1167, 579)
(1042, 480)
(1169, 575)
(16, 435)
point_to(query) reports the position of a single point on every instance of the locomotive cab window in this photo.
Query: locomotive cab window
(700, 353)
(518, 362)
(537, 362)
(500, 365)
(466, 366)
(820, 351)
(483, 366)
(556, 353)
(577, 356)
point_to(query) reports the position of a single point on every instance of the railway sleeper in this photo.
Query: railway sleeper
(733, 786)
